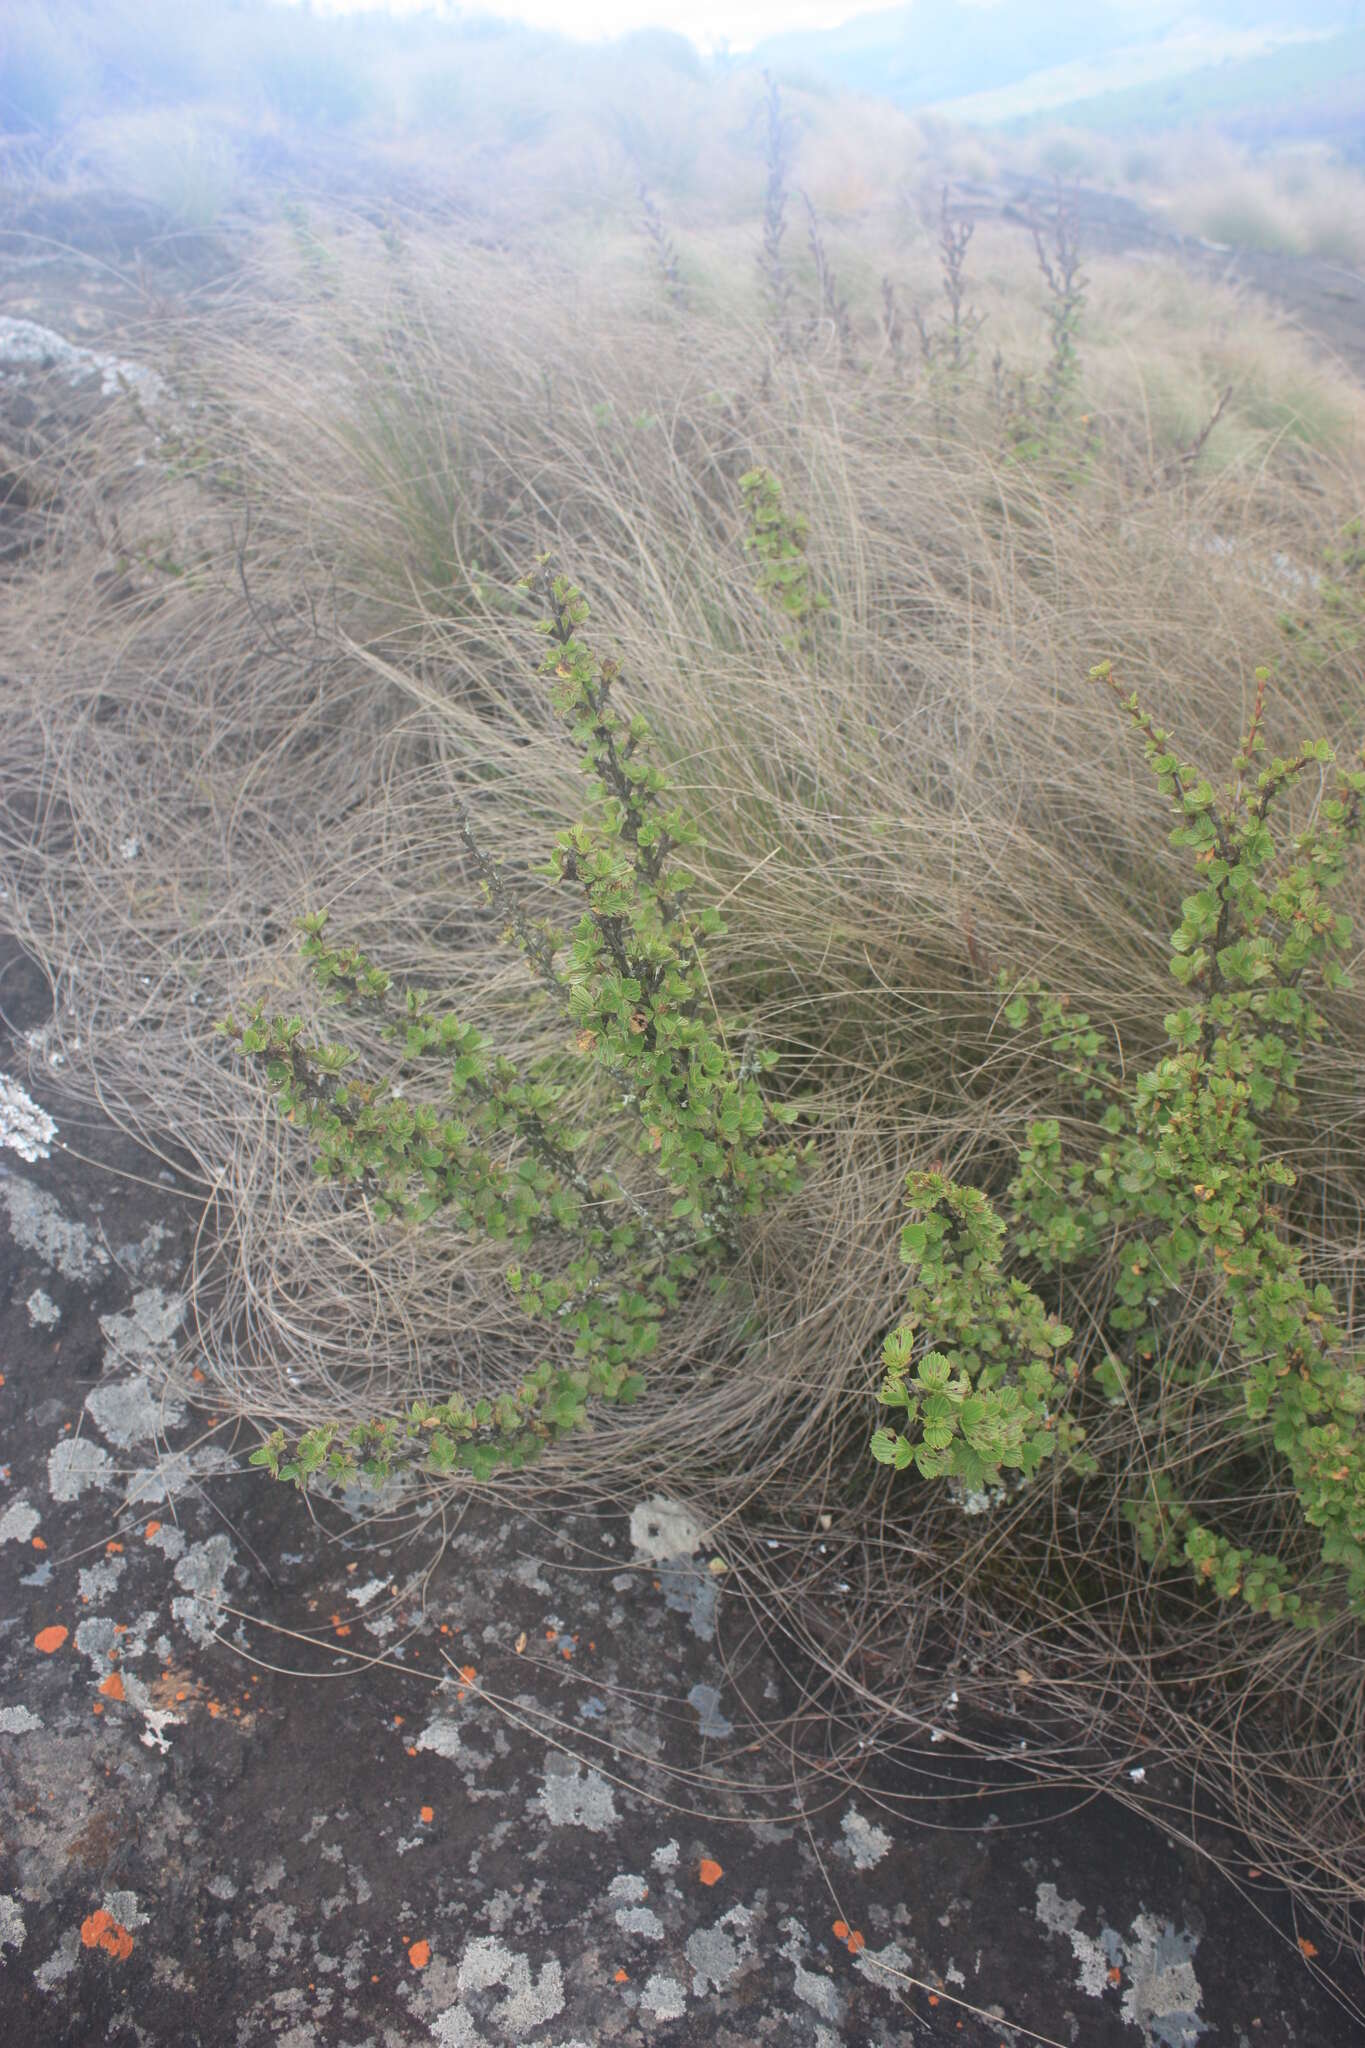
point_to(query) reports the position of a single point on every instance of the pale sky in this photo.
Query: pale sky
(741, 23)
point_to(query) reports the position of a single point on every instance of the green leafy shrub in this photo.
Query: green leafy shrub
(606, 1223)
(1231, 1359)
(777, 541)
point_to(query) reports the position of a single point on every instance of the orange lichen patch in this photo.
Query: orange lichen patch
(39, 1544)
(398, 1720)
(412, 1749)
(102, 1930)
(1115, 1975)
(856, 1941)
(567, 1650)
(152, 1529)
(841, 1929)
(468, 1673)
(98, 1707)
(419, 1954)
(111, 1547)
(621, 1977)
(1307, 1948)
(197, 1374)
(428, 1814)
(112, 1687)
(49, 1639)
(933, 1998)
(709, 1871)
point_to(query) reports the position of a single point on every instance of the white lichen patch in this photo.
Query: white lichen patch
(1094, 1959)
(123, 1906)
(203, 1572)
(573, 1798)
(37, 1225)
(664, 1996)
(144, 1335)
(96, 1581)
(818, 1992)
(151, 1484)
(487, 1965)
(12, 1930)
(1163, 1997)
(1154, 1963)
(156, 1720)
(95, 1637)
(662, 1529)
(43, 1311)
(442, 1737)
(718, 1954)
(865, 1841)
(75, 1465)
(25, 1127)
(18, 1522)
(890, 1964)
(665, 1857)
(126, 1412)
(642, 1920)
(18, 1721)
(60, 1963)
(363, 1595)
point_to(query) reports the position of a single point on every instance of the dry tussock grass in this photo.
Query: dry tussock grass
(282, 652)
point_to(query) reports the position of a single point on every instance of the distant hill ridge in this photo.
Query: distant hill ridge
(942, 50)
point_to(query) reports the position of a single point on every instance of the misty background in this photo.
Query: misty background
(1236, 117)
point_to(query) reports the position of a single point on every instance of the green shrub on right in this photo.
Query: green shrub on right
(1233, 1362)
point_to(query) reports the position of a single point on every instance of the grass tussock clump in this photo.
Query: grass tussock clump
(852, 579)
